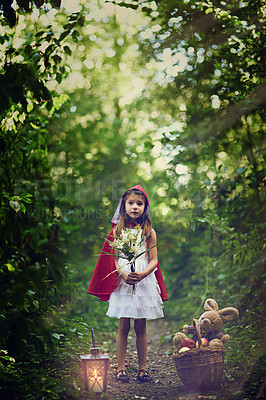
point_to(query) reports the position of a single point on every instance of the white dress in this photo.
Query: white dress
(145, 301)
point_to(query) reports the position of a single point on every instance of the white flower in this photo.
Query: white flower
(135, 249)
(127, 243)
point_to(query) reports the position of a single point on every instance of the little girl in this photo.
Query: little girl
(145, 301)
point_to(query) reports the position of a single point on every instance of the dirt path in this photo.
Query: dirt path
(165, 382)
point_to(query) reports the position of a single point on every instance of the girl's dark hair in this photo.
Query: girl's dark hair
(143, 220)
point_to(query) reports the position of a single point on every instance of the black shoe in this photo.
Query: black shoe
(144, 376)
(122, 375)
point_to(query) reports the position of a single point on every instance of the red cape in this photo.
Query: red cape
(103, 288)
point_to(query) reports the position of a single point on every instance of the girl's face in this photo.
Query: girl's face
(134, 206)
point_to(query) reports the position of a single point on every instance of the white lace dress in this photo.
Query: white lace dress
(144, 302)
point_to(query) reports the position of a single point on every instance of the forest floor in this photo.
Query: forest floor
(165, 381)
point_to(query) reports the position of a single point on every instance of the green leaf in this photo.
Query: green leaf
(34, 126)
(201, 220)
(241, 170)
(30, 106)
(56, 336)
(26, 198)
(67, 50)
(57, 59)
(3, 39)
(40, 33)
(81, 20)
(193, 226)
(22, 208)
(15, 205)
(36, 304)
(10, 267)
(63, 35)
(209, 10)
(59, 78)
(56, 3)
(50, 49)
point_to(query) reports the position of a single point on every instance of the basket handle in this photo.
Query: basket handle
(196, 323)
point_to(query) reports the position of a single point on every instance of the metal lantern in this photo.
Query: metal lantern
(95, 369)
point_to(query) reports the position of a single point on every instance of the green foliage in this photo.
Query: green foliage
(212, 86)
(56, 374)
(33, 272)
(9, 12)
(43, 223)
(29, 64)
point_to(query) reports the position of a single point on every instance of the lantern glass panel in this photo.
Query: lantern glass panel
(95, 375)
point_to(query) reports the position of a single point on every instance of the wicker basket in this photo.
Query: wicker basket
(200, 369)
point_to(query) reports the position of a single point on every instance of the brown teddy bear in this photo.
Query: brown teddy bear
(210, 323)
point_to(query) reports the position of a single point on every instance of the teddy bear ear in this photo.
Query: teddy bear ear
(228, 313)
(211, 305)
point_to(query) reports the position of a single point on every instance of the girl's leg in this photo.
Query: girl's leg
(141, 341)
(121, 342)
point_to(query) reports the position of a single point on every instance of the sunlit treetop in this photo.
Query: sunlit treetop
(10, 8)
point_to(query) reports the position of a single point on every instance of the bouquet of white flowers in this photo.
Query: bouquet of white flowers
(127, 243)
(129, 246)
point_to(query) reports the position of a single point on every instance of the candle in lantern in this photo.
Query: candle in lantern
(96, 382)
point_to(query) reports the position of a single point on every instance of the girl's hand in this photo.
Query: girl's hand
(135, 277)
(126, 278)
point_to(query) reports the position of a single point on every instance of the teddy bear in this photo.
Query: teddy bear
(210, 323)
